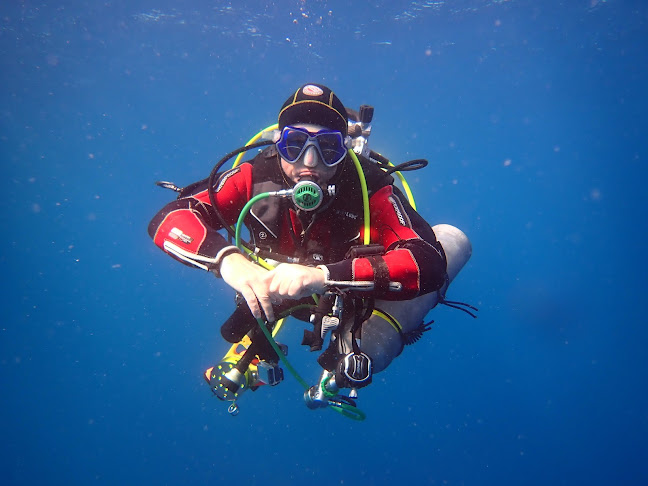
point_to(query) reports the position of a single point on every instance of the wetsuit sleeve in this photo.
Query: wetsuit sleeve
(187, 228)
(413, 255)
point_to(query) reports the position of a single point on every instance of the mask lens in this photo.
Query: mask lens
(291, 144)
(331, 147)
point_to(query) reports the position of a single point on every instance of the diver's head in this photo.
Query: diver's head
(313, 140)
(314, 104)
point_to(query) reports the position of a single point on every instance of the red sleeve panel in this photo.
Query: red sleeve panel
(187, 228)
(183, 227)
(233, 191)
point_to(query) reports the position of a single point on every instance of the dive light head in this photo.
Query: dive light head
(226, 382)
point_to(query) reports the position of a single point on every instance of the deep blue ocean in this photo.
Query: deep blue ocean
(532, 115)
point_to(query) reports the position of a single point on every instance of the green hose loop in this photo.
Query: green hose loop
(348, 411)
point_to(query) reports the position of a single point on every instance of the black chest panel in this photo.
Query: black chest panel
(336, 223)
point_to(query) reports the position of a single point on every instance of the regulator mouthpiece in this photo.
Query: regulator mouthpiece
(307, 195)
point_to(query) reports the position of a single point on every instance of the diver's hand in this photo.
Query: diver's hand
(248, 279)
(292, 281)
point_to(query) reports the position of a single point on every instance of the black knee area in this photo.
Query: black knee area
(262, 347)
(238, 324)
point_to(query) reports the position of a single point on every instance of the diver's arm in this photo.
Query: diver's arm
(187, 229)
(413, 258)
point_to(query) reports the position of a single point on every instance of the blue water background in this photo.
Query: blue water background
(532, 115)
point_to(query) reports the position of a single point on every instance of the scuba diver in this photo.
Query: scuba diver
(333, 242)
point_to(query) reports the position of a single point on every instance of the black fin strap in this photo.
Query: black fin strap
(415, 334)
(461, 306)
(453, 303)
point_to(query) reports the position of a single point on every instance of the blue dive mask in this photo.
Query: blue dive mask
(329, 144)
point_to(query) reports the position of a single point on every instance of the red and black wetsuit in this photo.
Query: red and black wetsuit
(188, 229)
